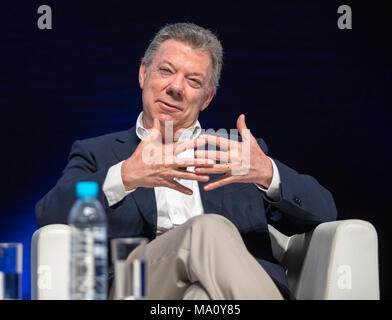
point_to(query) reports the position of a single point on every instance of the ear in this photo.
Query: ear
(209, 98)
(142, 73)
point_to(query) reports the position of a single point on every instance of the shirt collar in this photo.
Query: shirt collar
(188, 134)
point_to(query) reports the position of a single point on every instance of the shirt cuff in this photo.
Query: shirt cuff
(273, 191)
(113, 187)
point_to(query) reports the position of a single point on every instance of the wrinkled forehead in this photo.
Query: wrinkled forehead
(183, 55)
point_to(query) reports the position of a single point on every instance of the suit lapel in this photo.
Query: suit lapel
(125, 144)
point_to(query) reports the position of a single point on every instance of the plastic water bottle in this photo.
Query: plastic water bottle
(88, 279)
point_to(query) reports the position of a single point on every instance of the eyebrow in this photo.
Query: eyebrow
(191, 74)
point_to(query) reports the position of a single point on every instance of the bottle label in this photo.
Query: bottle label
(89, 263)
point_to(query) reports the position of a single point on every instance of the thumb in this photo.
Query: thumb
(242, 128)
(241, 125)
(155, 131)
(156, 125)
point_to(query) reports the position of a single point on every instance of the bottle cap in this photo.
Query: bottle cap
(85, 189)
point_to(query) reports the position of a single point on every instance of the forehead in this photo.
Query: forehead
(182, 55)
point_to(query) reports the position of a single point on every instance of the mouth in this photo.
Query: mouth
(168, 106)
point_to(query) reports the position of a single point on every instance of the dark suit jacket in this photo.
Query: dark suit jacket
(303, 204)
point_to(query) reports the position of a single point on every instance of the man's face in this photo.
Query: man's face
(176, 85)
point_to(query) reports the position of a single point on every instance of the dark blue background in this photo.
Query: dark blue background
(318, 95)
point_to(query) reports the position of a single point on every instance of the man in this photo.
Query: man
(208, 221)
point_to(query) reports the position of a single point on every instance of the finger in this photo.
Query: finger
(221, 142)
(155, 131)
(241, 125)
(242, 128)
(216, 169)
(156, 124)
(180, 147)
(216, 155)
(178, 186)
(192, 162)
(187, 175)
(220, 182)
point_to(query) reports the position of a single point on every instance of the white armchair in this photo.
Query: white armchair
(337, 260)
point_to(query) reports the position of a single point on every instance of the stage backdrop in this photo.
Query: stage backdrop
(315, 93)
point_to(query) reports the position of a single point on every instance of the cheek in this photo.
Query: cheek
(197, 101)
(150, 91)
(193, 105)
(152, 83)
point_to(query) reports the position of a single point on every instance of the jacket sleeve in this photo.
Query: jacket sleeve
(54, 207)
(303, 204)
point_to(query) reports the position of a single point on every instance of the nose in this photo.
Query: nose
(176, 87)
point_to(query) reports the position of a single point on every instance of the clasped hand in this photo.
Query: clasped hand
(155, 164)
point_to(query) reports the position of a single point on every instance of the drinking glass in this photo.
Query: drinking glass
(129, 279)
(11, 270)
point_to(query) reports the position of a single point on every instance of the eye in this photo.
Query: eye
(195, 82)
(165, 71)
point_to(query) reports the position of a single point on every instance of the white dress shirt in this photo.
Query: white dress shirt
(173, 207)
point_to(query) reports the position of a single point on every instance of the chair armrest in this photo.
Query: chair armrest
(341, 262)
(50, 254)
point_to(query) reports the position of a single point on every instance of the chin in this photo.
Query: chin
(166, 117)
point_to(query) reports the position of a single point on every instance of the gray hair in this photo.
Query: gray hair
(195, 36)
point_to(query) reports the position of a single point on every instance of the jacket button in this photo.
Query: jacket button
(297, 200)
